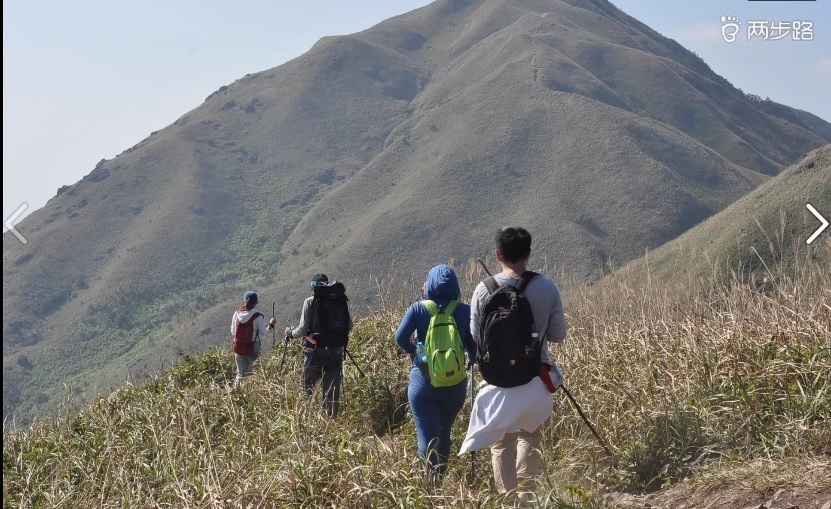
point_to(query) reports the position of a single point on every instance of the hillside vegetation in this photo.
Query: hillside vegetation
(698, 390)
(372, 156)
(764, 232)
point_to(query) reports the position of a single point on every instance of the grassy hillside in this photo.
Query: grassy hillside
(763, 232)
(716, 396)
(373, 156)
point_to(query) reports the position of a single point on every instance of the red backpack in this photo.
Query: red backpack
(244, 334)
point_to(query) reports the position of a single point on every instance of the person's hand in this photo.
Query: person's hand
(288, 331)
(272, 322)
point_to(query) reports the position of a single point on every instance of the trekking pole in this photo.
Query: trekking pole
(484, 267)
(586, 420)
(472, 389)
(349, 354)
(473, 386)
(285, 347)
(273, 329)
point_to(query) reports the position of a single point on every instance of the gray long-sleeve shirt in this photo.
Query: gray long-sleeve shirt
(546, 306)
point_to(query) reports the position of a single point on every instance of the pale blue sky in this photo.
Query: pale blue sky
(87, 79)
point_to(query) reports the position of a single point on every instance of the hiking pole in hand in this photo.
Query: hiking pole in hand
(472, 388)
(586, 420)
(273, 329)
(484, 267)
(349, 354)
(285, 347)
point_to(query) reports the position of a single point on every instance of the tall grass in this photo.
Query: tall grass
(706, 370)
(697, 378)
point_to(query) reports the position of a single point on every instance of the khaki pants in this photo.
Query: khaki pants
(516, 462)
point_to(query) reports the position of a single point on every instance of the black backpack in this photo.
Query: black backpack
(509, 352)
(330, 315)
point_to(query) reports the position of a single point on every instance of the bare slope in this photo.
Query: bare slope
(382, 153)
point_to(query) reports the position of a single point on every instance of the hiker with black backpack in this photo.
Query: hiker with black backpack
(248, 327)
(438, 378)
(513, 315)
(325, 324)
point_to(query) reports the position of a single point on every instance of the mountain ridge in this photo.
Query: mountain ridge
(377, 155)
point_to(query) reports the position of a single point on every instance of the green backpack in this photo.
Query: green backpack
(445, 354)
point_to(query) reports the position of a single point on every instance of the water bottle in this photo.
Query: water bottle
(421, 353)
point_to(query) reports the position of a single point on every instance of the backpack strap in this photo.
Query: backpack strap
(314, 312)
(434, 309)
(521, 285)
(254, 324)
(491, 284)
(524, 280)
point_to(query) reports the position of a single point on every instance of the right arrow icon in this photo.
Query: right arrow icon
(821, 220)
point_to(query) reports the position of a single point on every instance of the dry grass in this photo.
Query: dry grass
(680, 376)
(724, 383)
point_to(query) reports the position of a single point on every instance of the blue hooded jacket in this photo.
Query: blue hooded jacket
(442, 287)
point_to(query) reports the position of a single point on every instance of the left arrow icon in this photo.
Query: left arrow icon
(821, 220)
(8, 224)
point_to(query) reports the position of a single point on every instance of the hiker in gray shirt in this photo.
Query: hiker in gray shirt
(515, 462)
(546, 305)
(324, 327)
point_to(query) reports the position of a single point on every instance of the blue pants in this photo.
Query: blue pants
(434, 410)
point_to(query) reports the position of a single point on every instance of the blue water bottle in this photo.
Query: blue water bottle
(421, 353)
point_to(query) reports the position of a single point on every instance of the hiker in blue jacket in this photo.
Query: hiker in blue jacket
(434, 408)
